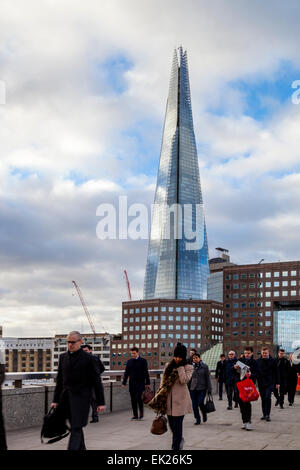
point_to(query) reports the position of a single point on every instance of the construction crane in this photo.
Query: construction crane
(128, 285)
(85, 308)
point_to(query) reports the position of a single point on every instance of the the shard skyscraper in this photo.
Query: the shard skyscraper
(176, 269)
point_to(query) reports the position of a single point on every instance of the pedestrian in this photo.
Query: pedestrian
(220, 374)
(283, 366)
(200, 384)
(88, 348)
(294, 370)
(245, 407)
(3, 444)
(190, 359)
(77, 377)
(267, 378)
(231, 377)
(137, 371)
(173, 396)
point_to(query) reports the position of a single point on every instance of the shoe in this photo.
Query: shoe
(281, 407)
(236, 405)
(133, 418)
(244, 426)
(249, 427)
(268, 418)
(229, 407)
(276, 403)
(141, 417)
(263, 417)
(197, 422)
(204, 418)
(290, 404)
(94, 421)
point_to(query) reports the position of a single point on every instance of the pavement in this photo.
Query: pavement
(222, 431)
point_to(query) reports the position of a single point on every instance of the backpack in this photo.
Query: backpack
(54, 426)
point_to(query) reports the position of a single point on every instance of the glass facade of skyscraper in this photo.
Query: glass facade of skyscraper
(287, 329)
(177, 263)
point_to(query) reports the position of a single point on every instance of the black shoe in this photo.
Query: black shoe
(133, 418)
(94, 421)
(268, 418)
(281, 407)
(290, 404)
(197, 422)
(276, 403)
(263, 417)
(204, 418)
(236, 405)
(229, 407)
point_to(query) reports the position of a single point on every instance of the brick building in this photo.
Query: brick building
(261, 302)
(155, 326)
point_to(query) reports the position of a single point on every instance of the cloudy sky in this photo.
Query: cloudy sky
(86, 86)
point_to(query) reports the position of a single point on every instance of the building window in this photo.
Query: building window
(284, 293)
(268, 274)
(276, 293)
(293, 273)
(178, 318)
(193, 310)
(268, 294)
(178, 309)
(284, 273)
(163, 309)
(276, 274)
(171, 318)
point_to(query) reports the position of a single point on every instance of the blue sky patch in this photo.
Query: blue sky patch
(110, 74)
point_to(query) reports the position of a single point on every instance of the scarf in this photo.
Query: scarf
(159, 401)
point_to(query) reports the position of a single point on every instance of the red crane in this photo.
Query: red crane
(85, 308)
(128, 285)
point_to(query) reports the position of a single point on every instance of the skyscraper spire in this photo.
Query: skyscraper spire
(175, 269)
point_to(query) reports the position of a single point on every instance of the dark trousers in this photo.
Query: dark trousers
(137, 402)
(175, 423)
(246, 410)
(292, 385)
(3, 445)
(76, 441)
(265, 395)
(279, 395)
(220, 387)
(198, 397)
(94, 407)
(231, 393)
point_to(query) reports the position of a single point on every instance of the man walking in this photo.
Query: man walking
(268, 378)
(88, 348)
(294, 370)
(137, 371)
(283, 366)
(231, 377)
(245, 407)
(190, 359)
(220, 374)
(3, 445)
(77, 377)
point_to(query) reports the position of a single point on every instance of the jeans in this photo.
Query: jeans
(136, 401)
(231, 392)
(246, 411)
(175, 423)
(265, 395)
(198, 397)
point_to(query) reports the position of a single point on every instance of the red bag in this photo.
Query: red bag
(247, 390)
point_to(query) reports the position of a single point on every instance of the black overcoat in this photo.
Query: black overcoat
(137, 371)
(77, 377)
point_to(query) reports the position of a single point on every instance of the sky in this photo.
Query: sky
(85, 95)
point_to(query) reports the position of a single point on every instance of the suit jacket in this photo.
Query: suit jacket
(77, 376)
(99, 364)
(137, 371)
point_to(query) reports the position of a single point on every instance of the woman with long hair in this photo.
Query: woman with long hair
(173, 397)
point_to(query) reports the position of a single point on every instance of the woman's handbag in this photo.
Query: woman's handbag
(147, 395)
(209, 405)
(159, 425)
(247, 390)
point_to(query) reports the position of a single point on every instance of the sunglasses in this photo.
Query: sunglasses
(73, 342)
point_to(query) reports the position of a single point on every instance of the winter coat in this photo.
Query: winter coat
(179, 401)
(77, 377)
(220, 371)
(267, 372)
(294, 370)
(201, 378)
(137, 371)
(231, 374)
(283, 366)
